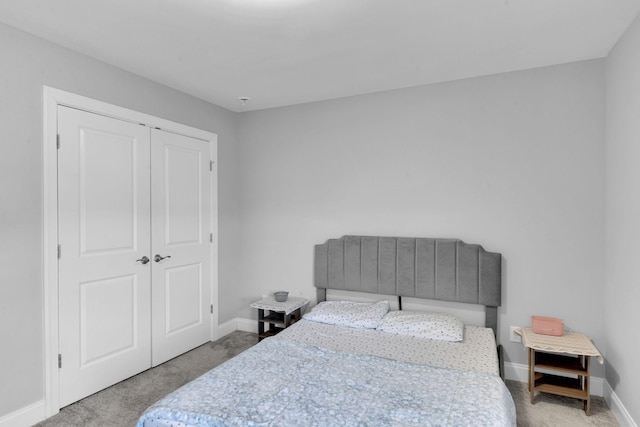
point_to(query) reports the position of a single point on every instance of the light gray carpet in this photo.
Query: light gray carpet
(122, 404)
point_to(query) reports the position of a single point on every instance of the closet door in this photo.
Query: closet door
(181, 248)
(104, 235)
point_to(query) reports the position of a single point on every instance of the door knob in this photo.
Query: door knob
(159, 258)
(143, 260)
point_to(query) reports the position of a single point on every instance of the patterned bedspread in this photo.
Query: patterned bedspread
(282, 383)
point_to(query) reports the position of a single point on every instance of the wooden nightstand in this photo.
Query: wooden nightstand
(278, 315)
(562, 385)
(560, 365)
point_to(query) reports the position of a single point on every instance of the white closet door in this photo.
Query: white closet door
(181, 255)
(104, 228)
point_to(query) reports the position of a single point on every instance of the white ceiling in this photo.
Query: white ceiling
(284, 52)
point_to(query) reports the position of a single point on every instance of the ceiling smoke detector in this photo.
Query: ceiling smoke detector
(244, 100)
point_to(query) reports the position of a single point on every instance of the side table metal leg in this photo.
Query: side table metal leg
(260, 324)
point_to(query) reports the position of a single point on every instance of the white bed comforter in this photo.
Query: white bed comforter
(282, 383)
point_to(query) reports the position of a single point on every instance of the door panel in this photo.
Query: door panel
(108, 191)
(104, 227)
(112, 299)
(180, 231)
(183, 289)
(183, 193)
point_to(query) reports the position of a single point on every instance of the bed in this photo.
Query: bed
(359, 363)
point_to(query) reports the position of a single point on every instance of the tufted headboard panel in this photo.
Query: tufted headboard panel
(437, 269)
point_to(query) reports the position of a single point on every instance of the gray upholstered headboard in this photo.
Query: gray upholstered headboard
(437, 269)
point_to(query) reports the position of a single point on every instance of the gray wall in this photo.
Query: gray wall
(27, 63)
(622, 285)
(512, 161)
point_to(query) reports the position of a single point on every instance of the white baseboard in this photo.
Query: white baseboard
(227, 327)
(247, 325)
(622, 415)
(24, 417)
(237, 324)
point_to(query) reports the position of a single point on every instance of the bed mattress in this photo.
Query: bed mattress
(282, 383)
(476, 353)
(314, 374)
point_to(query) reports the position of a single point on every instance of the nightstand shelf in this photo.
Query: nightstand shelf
(277, 316)
(563, 386)
(575, 386)
(268, 333)
(561, 363)
(274, 318)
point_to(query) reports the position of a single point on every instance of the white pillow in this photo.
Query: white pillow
(435, 326)
(362, 315)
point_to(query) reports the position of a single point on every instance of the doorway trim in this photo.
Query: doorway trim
(51, 99)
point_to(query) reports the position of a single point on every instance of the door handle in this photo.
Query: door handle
(143, 260)
(159, 258)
